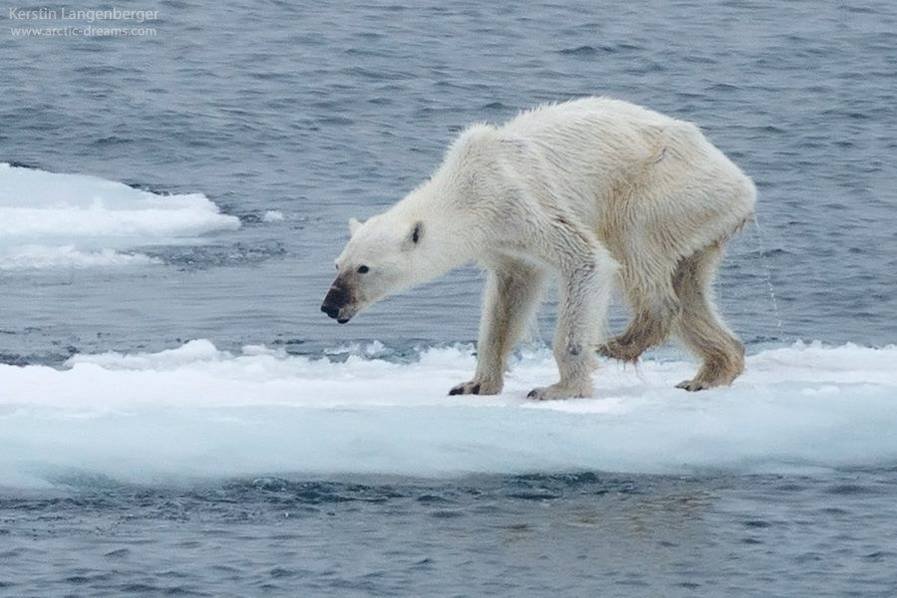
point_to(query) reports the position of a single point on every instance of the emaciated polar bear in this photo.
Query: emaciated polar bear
(597, 191)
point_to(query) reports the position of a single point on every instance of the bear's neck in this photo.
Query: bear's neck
(452, 234)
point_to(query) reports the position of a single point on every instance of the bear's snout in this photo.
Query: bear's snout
(330, 310)
(337, 298)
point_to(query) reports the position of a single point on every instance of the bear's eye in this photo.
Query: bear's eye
(363, 269)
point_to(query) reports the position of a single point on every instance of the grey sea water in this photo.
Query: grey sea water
(324, 111)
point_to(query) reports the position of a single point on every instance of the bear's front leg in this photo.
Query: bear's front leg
(512, 293)
(584, 298)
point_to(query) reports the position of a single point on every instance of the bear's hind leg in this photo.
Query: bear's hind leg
(700, 327)
(655, 307)
(513, 289)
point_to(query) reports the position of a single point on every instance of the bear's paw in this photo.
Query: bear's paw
(560, 391)
(476, 387)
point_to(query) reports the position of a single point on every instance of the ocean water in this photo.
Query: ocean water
(178, 417)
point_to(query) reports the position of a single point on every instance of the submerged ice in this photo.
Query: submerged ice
(199, 411)
(50, 220)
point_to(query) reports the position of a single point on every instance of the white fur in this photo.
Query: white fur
(596, 191)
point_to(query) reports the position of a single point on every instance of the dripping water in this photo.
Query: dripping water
(767, 275)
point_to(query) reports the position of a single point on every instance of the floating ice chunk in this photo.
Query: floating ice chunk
(29, 257)
(197, 410)
(52, 220)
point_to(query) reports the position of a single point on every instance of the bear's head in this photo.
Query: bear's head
(383, 256)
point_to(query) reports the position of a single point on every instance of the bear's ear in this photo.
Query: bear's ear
(354, 225)
(417, 232)
(414, 236)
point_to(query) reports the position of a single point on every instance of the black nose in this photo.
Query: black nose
(329, 309)
(337, 298)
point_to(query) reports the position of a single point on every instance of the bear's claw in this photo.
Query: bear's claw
(465, 388)
(477, 387)
(615, 349)
(690, 385)
(558, 391)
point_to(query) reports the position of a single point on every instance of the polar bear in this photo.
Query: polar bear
(596, 191)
